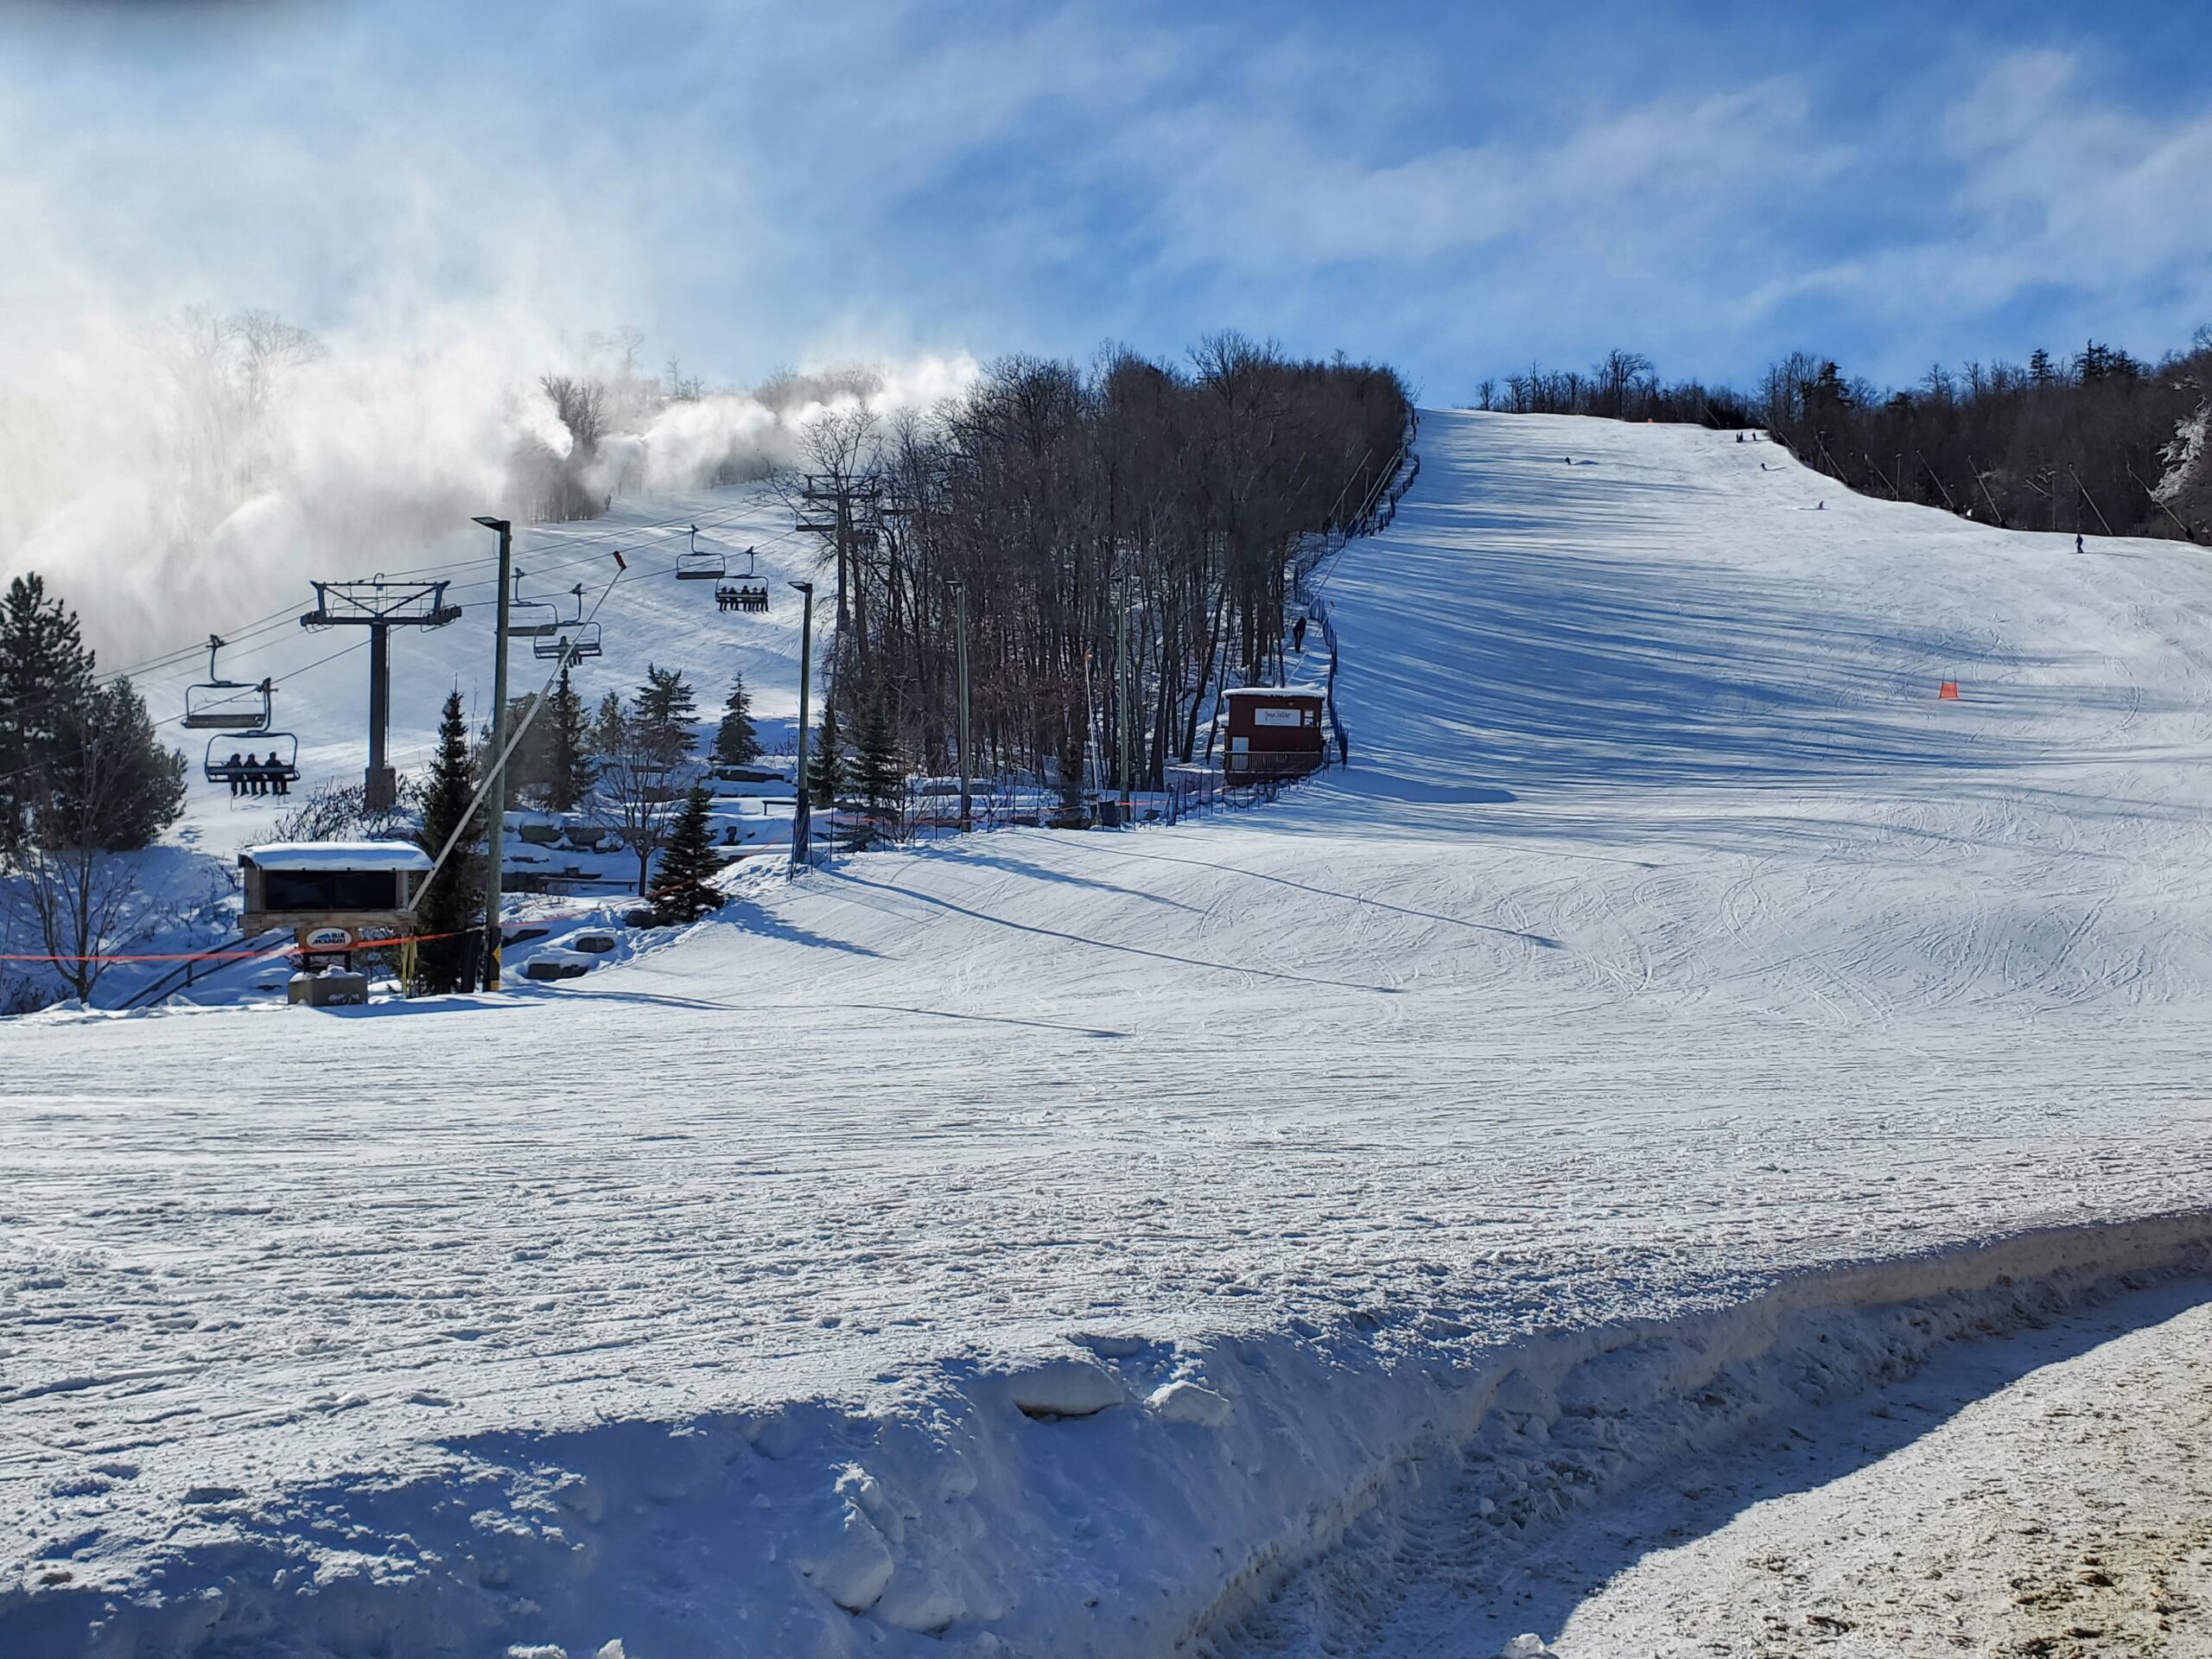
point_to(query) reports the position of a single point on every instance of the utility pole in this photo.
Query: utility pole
(802, 816)
(496, 809)
(966, 772)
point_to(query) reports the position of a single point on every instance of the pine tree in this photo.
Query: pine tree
(452, 903)
(735, 742)
(569, 771)
(825, 765)
(530, 765)
(46, 675)
(108, 779)
(685, 890)
(878, 772)
(665, 710)
(610, 726)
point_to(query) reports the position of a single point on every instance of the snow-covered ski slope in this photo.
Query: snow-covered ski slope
(1667, 944)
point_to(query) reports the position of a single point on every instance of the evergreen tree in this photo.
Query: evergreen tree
(107, 778)
(735, 742)
(610, 726)
(825, 765)
(2040, 372)
(569, 770)
(685, 890)
(664, 709)
(878, 772)
(46, 674)
(454, 902)
(530, 766)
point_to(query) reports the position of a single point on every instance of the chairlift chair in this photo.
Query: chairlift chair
(530, 618)
(218, 704)
(281, 765)
(579, 639)
(699, 564)
(747, 593)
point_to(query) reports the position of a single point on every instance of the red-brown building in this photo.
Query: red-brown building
(1273, 732)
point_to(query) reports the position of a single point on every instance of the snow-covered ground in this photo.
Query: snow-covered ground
(1668, 949)
(2048, 1495)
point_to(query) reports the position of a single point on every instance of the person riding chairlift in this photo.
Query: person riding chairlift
(234, 769)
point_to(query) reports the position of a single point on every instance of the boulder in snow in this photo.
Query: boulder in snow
(557, 963)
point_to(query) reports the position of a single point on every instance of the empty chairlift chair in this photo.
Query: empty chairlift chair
(531, 619)
(699, 564)
(220, 705)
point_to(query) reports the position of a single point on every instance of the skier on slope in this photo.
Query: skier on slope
(2077, 542)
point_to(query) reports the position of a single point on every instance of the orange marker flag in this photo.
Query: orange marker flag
(1948, 691)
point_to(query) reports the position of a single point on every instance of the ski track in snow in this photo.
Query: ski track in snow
(1667, 938)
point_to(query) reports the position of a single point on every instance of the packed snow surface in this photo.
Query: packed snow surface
(2049, 1494)
(1048, 1239)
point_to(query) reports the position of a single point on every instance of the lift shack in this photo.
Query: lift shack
(336, 897)
(1275, 731)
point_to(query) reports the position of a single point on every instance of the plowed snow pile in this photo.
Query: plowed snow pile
(1043, 1244)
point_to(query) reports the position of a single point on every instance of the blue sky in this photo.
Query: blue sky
(1458, 189)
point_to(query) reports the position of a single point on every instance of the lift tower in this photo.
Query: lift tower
(380, 606)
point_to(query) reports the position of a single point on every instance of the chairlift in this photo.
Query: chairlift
(219, 704)
(747, 593)
(578, 639)
(233, 758)
(530, 618)
(701, 563)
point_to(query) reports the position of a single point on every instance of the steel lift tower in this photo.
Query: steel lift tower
(380, 606)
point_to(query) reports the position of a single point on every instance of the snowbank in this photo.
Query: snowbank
(1080, 1506)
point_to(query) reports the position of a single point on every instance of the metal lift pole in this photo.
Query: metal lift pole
(380, 785)
(495, 810)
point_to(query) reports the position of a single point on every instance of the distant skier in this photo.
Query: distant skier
(1298, 635)
(2077, 542)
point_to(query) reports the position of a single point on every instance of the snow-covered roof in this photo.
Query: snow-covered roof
(1314, 691)
(337, 855)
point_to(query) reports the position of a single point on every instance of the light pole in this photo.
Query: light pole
(966, 772)
(802, 815)
(1122, 699)
(496, 817)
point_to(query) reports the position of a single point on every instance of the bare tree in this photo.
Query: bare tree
(582, 406)
(82, 901)
(635, 796)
